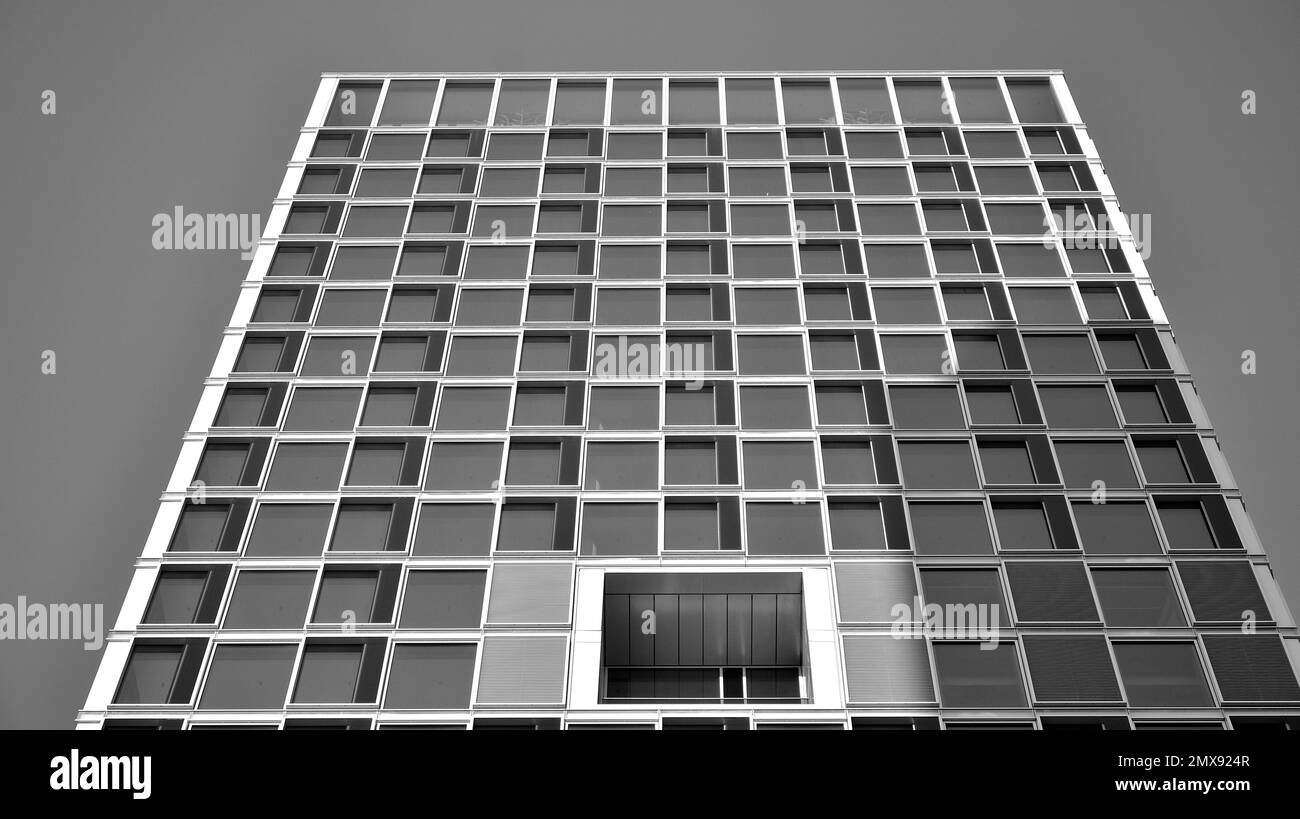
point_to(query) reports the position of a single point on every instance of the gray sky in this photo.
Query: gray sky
(162, 104)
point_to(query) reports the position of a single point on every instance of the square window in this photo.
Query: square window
(330, 673)
(685, 406)
(533, 463)
(624, 408)
(391, 407)
(260, 354)
(375, 220)
(889, 220)
(176, 597)
(926, 407)
(289, 530)
(631, 220)
(616, 529)
(241, 407)
(633, 182)
(1006, 462)
(1185, 524)
(550, 304)
(247, 677)
(1045, 305)
(443, 599)
(690, 462)
(1115, 528)
(972, 677)
(1122, 353)
(376, 464)
(454, 529)
(539, 406)
(992, 404)
(775, 407)
(1162, 675)
(1083, 463)
(978, 351)
(463, 466)
(528, 527)
(1077, 407)
(783, 465)
(857, 525)
(774, 355)
(351, 308)
(767, 305)
(937, 465)
(828, 304)
(627, 306)
(482, 355)
(842, 404)
(691, 526)
(916, 353)
(1138, 598)
(689, 304)
(362, 527)
(882, 180)
(1021, 525)
(338, 356)
(483, 307)
(784, 529)
(579, 102)
(315, 409)
(950, 529)
(347, 596)
(150, 675)
(993, 145)
(429, 676)
(618, 466)
(473, 408)
(269, 600)
(222, 464)
(1141, 404)
(277, 306)
(545, 353)
(388, 183)
(760, 220)
(497, 262)
(768, 261)
(905, 305)
(750, 101)
(848, 461)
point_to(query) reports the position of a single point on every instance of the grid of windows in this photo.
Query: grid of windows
(511, 327)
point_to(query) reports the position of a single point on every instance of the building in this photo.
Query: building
(699, 400)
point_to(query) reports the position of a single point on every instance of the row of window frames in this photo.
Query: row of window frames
(1116, 722)
(1216, 592)
(633, 355)
(651, 181)
(790, 467)
(1203, 672)
(525, 102)
(709, 258)
(680, 143)
(507, 220)
(700, 523)
(630, 306)
(561, 403)
(464, 408)
(439, 676)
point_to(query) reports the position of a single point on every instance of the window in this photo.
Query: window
(624, 408)
(205, 527)
(1083, 463)
(533, 463)
(339, 356)
(1185, 523)
(866, 101)
(1006, 461)
(829, 304)
(482, 355)
(1162, 461)
(856, 525)
(350, 596)
(222, 464)
(1160, 675)
(289, 530)
(364, 527)
(691, 526)
(377, 464)
(1017, 219)
(631, 220)
(332, 672)
(633, 182)
(889, 220)
(929, 407)
(269, 600)
(848, 461)
(633, 145)
(496, 262)
(960, 588)
(882, 180)
(247, 677)
(616, 529)
(773, 355)
(322, 408)
(622, 466)
(937, 465)
(775, 408)
(1056, 592)
(768, 261)
(473, 408)
(392, 407)
(627, 307)
(468, 465)
(750, 101)
(154, 674)
(1022, 525)
(1138, 598)
(807, 101)
(178, 596)
(1115, 528)
(1141, 404)
(1060, 354)
(546, 353)
(908, 354)
(780, 465)
(540, 405)
(784, 529)
(443, 599)
(972, 677)
(992, 404)
(628, 102)
(530, 526)
(905, 305)
(690, 461)
(454, 529)
(301, 467)
(1077, 407)
(760, 220)
(579, 102)
(950, 529)
(689, 404)
(430, 676)
(1045, 305)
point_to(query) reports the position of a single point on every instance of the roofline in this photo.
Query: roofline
(704, 73)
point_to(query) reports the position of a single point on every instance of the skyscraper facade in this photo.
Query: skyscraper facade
(699, 400)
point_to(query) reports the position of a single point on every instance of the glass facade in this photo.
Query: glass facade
(699, 401)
